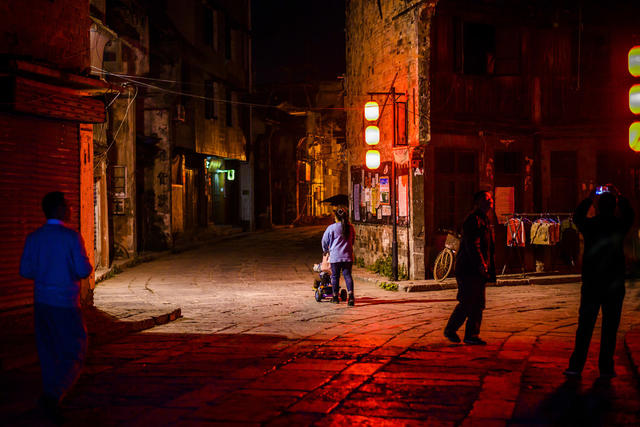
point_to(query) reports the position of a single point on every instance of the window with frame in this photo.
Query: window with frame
(402, 138)
(119, 181)
(229, 107)
(484, 49)
(228, 42)
(208, 26)
(209, 103)
(217, 96)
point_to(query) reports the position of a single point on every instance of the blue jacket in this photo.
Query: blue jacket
(339, 248)
(55, 258)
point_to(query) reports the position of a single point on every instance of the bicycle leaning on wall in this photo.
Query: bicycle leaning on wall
(447, 257)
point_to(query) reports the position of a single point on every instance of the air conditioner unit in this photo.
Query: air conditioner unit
(179, 113)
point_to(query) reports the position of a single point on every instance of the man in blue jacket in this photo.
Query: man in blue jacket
(54, 257)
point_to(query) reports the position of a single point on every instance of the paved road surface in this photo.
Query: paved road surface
(255, 348)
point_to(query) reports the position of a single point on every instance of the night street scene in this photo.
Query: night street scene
(320, 212)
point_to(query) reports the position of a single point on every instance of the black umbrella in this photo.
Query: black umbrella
(337, 200)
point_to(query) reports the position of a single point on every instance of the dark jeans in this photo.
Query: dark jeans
(345, 267)
(61, 338)
(590, 304)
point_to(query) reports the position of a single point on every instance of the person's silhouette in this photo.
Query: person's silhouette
(55, 258)
(475, 266)
(603, 274)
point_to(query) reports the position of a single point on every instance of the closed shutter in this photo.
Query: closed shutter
(36, 156)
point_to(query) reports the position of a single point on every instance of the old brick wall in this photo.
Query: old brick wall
(56, 33)
(389, 45)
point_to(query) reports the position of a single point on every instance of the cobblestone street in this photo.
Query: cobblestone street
(254, 347)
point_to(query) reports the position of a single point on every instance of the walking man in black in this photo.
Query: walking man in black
(603, 271)
(475, 266)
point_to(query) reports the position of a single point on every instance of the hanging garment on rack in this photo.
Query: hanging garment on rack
(515, 232)
(554, 232)
(541, 233)
(545, 231)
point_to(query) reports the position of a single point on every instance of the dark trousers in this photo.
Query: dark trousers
(336, 268)
(590, 304)
(61, 338)
(471, 294)
(469, 311)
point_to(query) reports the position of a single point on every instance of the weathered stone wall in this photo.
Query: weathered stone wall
(157, 123)
(53, 32)
(374, 242)
(388, 45)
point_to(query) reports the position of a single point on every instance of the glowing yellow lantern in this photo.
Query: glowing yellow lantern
(371, 111)
(634, 61)
(373, 159)
(634, 99)
(372, 135)
(634, 136)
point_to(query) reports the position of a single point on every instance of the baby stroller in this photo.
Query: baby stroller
(323, 287)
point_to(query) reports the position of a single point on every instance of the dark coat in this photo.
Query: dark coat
(603, 261)
(475, 263)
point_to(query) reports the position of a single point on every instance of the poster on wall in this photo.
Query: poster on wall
(373, 205)
(384, 191)
(356, 202)
(504, 203)
(374, 199)
(403, 180)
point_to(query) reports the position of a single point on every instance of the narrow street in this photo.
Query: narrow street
(254, 347)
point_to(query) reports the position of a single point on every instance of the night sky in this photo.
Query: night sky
(298, 40)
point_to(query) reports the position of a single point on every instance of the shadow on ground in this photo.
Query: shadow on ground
(376, 301)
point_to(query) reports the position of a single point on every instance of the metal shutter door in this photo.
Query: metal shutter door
(36, 156)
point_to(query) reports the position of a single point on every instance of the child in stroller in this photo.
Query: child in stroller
(323, 287)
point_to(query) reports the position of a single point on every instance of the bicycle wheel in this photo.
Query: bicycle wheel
(443, 264)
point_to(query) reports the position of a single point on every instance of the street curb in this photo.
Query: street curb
(432, 285)
(125, 327)
(99, 333)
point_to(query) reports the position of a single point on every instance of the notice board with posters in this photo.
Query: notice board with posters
(371, 190)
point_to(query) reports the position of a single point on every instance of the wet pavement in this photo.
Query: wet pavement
(254, 348)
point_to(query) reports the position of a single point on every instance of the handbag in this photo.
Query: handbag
(325, 267)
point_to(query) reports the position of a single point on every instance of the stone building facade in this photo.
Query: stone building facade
(388, 48)
(171, 162)
(527, 100)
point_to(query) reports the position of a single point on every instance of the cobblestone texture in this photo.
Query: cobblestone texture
(254, 347)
